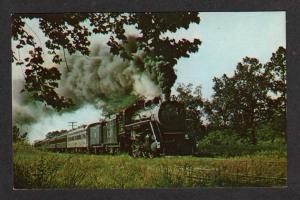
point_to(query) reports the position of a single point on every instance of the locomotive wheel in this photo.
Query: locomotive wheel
(135, 152)
(111, 151)
(117, 150)
(151, 155)
(136, 149)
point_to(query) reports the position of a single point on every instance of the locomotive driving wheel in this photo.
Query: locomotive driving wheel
(136, 149)
(151, 154)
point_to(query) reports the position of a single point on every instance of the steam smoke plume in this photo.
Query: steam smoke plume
(106, 80)
(25, 110)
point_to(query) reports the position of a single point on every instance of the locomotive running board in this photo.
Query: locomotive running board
(137, 123)
(174, 133)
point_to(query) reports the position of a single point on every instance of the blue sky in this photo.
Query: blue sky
(226, 38)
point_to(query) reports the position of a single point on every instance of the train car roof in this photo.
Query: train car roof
(95, 123)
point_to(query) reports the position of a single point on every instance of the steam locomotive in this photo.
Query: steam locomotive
(145, 129)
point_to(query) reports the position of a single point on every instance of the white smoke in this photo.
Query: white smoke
(26, 110)
(144, 85)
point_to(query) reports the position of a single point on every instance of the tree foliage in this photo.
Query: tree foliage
(276, 74)
(254, 95)
(52, 134)
(192, 98)
(69, 33)
(220, 107)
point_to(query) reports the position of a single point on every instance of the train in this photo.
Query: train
(144, 129)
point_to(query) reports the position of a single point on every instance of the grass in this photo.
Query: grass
(40, 169)
(242, 150)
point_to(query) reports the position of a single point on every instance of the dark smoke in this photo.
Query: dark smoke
(104, 80)
(107, 80)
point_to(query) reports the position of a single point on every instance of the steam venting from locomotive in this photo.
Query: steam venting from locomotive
(107, 81)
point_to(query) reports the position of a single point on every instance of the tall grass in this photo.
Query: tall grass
(241, 150)
(37, 169)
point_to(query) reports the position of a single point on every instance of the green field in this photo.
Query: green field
(37, 169)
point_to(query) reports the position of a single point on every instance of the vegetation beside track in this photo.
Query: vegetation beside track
(39, 169)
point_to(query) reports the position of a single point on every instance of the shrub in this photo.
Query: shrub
(270, 133)
(39, 173)
(220, 138)
(22, 146)
(266, 133)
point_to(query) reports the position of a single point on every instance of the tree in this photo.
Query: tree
(193, 101)
(251, 87)
(240, 102)
(254, 97)
(191, 98)
(275, 71)
(69, 33)
(220, 109)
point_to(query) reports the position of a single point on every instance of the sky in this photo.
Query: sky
(226, 37)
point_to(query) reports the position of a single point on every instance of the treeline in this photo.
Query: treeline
(248, 107)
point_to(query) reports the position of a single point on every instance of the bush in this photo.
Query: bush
(226, 143)
(22, 146)
(39, 173)
(220, 138)
(267, 132)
